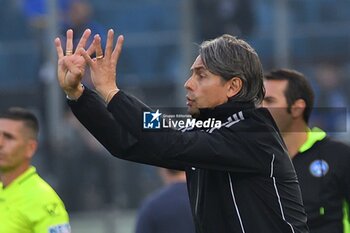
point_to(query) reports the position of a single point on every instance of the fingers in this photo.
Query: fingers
(98, 47)
(59, 48)
(118, 49)
(91, 49)
(69, 42)
(83, 39)
(87, 57)
(109, 43)
(94, 47)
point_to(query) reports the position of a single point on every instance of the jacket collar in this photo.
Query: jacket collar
(223, 111)
(21, 178)
(313, 135)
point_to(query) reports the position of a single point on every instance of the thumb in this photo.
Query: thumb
(86, 56)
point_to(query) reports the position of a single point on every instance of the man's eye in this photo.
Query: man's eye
(268, 100)
(8, 136)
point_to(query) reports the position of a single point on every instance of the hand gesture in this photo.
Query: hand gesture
(103, 67)
(71, 67)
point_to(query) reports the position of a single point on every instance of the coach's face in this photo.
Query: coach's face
(207, 90)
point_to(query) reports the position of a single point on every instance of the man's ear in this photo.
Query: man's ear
(32, 146)
(298, 108)
(234, 86)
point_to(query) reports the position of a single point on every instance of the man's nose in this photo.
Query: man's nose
(189, 84)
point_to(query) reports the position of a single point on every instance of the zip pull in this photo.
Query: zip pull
(322, 210)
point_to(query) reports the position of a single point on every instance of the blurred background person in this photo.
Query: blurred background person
(168, 209)
(321, 163)
(27, 203)
(81, 16)
(36, 16)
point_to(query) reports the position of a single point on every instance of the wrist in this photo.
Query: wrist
(74, 94)
(107, 92)
(109, 95)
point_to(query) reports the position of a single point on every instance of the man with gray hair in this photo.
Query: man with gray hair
(239, 175)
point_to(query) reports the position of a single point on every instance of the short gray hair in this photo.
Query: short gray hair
(230, 57)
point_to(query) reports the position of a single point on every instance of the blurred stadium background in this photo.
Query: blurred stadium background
(101, 193)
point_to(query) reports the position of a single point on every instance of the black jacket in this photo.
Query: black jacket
(240, 178)
(325, 190)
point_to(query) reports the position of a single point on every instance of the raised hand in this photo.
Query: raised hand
(103, 67)
(71, 66)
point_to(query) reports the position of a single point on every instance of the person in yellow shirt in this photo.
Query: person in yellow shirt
(27, 203)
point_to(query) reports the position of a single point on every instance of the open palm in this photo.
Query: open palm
(71, 66)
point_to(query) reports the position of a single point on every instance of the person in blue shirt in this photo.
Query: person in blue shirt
(168, 209)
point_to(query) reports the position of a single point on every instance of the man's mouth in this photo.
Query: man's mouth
(189, 101)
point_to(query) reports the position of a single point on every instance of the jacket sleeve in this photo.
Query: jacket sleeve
(228, 148)
(93, 114)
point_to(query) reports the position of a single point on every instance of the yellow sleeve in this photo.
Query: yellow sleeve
(30, 205)
(46, 211)
(51, 217)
